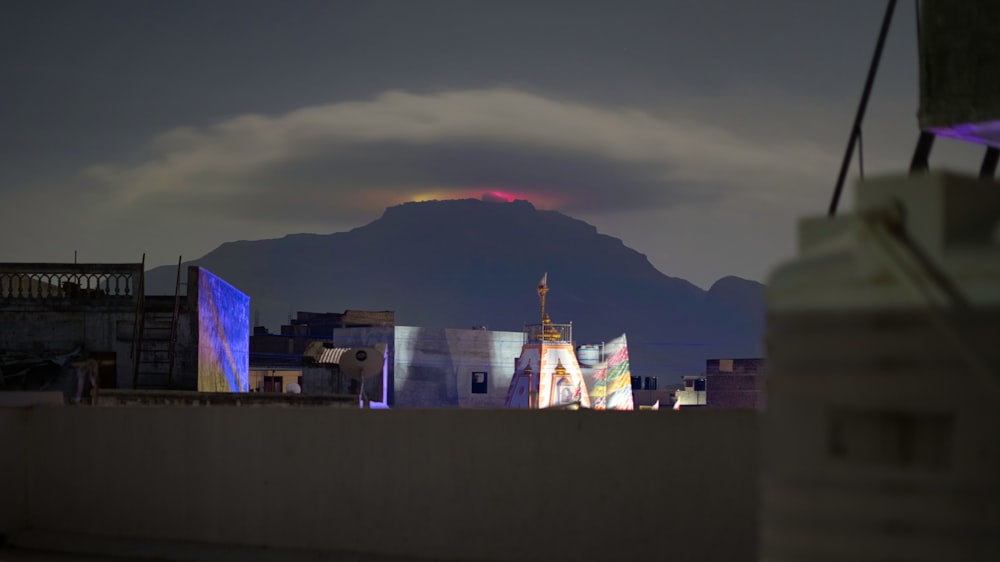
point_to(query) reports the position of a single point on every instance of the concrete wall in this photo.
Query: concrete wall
(46, 330)
(13, 469)
(434, 366)
(324, 379)
(14, 465)
(186, 352)
(437, 484)
(734, 390)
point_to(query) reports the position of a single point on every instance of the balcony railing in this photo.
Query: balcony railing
(556, 333)
(42, 281)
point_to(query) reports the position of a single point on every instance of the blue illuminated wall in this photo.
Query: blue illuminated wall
(223, 335)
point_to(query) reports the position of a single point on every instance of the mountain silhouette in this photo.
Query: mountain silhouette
(464, 263)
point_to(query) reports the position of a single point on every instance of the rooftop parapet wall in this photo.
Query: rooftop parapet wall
(429, 484)
(48, 285)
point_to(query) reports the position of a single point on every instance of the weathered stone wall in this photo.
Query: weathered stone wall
(47, 331)
(13, 469)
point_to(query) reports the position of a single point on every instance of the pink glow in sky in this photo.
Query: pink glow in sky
(537, 198)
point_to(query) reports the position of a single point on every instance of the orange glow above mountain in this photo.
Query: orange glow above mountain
(381, 198)
(538, 199)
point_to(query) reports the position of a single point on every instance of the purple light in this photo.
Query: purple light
(985, 132)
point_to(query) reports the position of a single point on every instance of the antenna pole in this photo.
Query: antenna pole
(856, 129)
(542, 291)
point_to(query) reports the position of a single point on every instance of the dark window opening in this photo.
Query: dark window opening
(480, 383)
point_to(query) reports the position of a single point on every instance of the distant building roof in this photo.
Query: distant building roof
(323, 323)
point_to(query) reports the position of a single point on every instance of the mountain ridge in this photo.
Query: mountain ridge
(463, 263)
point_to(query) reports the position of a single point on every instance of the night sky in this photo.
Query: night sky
(697, 131)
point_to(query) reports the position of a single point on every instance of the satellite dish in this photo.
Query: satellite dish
(362, 363)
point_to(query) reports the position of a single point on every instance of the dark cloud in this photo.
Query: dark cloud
(338, 159)
(398, 171)
(274, 117)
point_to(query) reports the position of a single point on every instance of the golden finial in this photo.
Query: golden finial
(560, 370)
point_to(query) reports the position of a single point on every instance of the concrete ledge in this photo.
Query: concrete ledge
(18, 399)
(119, 397)
(38, 541)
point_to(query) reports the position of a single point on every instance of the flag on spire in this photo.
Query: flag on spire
(544, 283)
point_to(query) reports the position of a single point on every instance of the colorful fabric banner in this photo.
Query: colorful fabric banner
(613, 380)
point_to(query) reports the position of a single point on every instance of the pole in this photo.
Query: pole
(856, 129)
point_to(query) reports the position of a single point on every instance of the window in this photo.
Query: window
(480, 383)
(272, 384)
